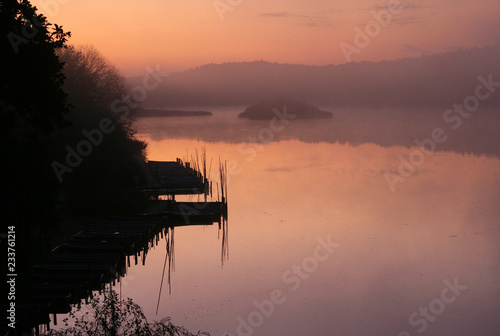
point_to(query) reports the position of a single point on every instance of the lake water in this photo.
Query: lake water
(319, 244)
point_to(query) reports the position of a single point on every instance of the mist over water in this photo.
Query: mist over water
(386, 127)
(422, 258)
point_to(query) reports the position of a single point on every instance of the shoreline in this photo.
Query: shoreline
(171, 113)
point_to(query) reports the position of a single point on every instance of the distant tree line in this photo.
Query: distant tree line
(428, 81)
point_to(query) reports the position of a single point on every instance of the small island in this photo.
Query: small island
(265, 110)
(170, 113)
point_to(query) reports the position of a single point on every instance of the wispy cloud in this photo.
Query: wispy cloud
(410, 13)
(276, 14)
(383, 6)
(320, 19)
(408, 19)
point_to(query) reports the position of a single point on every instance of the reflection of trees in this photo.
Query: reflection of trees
(113, 317)
(385, 127)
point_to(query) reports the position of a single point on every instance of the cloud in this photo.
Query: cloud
(276, 14)
(406, 7)
(410, 13)
(408, 19)
(320, 19)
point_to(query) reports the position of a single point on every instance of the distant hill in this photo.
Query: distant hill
(269, 109)
(435, 80)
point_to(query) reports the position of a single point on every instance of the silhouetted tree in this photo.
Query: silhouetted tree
(86, 67)
(32, 106)
(32, 76)
(106, 179)
(92, 80)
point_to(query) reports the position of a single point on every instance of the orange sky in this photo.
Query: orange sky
(180, 34)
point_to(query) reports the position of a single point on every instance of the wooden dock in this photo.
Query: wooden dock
(175, 178)
(92, 258)
(101, 253)
(192, 213)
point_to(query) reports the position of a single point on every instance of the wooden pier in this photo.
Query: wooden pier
(101, 253)
(175, 178)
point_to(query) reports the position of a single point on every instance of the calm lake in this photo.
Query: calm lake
(322, 240)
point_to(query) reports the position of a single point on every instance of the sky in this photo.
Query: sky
(180, 34)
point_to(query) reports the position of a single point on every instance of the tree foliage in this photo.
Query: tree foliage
(93, 84)
(31, 97)
(45, 105)
(106, 180)
(32, 106)
(113, 317)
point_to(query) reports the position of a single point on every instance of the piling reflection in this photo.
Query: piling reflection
(223, 223)
(169, 262)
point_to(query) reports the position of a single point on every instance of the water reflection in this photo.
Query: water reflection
(97, 258)
(477, 134)
(396, 248)
(169, 260)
